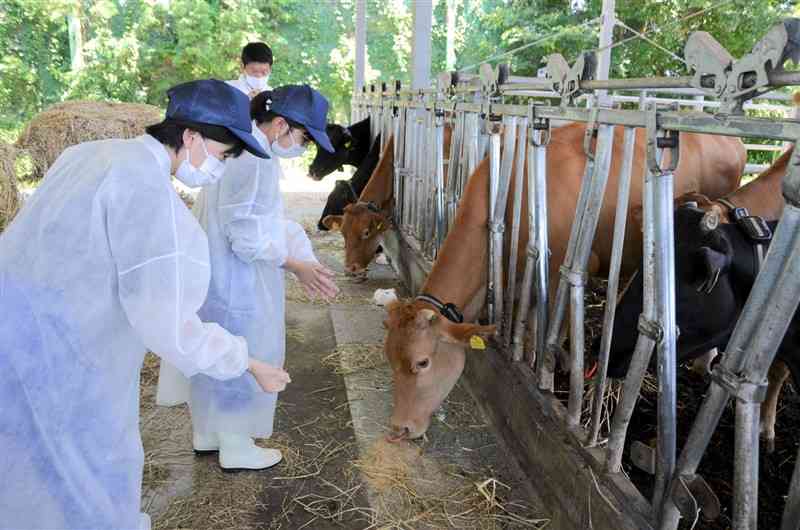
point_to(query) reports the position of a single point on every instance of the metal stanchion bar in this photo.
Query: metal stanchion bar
(519, 180)
(439, 209)
(494, 179)
(644, 343)
(576, 274)
(454, 168)
(497, 223)
(541, 310)
(620, 221)
(546, 365)
(535, 172)
(667, 351)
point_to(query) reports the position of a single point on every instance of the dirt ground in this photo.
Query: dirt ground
(338, 470)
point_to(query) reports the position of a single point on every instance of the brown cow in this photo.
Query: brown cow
(426, 355)
(363, 222)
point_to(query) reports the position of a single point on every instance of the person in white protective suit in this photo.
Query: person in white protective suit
(251, 246)
(256, 69)
(102, 263)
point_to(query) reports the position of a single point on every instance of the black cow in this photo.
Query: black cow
(715, 268)
(350, 147)
(347, 191)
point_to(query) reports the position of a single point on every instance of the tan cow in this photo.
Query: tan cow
(426, 353)
(363, 222)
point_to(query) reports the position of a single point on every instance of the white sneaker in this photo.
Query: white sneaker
(237, 451)
(205, 443)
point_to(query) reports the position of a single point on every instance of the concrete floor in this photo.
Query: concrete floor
(338, 470)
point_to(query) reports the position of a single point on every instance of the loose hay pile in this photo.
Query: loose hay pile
(456, 499)
(353, 357)
(9, 194)
(73, 122)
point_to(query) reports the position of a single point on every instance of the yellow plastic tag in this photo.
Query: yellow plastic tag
(476, 343)
(380, 225)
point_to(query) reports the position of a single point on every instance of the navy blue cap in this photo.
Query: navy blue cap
(306, 106)
(215, 102)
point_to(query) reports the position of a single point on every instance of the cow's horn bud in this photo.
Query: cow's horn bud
(709, 222)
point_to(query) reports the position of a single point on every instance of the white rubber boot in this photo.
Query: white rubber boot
(237, 451)
(205, 443)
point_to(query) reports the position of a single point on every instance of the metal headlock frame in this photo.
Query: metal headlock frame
(473, 105)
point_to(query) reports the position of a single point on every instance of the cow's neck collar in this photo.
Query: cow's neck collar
(729, 207)
(755, 228)
(447, 310)
(369, 205)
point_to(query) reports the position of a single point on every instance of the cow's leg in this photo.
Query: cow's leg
(702, 365)
(776, 376)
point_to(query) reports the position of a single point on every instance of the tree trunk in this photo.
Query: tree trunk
(450, 57)
(75, 41)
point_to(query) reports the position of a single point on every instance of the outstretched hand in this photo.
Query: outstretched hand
(270, 378)
(316, 279)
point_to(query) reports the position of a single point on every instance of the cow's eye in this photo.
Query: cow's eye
(424, 363)
(365, 234)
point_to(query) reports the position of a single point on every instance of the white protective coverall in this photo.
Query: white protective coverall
(102, 263)
(249, 241)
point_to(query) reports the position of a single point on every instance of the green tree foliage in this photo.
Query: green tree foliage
(135, 49)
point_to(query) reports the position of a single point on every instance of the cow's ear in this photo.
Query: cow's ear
(394, 313)
(425, 318)
(713, 263)
(332, 222)
(473, 335)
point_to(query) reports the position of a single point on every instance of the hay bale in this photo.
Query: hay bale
(74, 122)
(9, 194)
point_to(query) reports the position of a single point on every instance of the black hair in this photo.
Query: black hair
(260, 113)
(256, 52)
(170, 132)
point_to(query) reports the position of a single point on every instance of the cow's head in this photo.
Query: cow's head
(426, 353)
(341, 195)
(705, 301)
(326, 163)
(362, 225)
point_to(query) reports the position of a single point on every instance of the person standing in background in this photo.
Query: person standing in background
(256, 69)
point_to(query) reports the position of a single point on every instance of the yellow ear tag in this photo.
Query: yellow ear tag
(476, 343)
(380, 225)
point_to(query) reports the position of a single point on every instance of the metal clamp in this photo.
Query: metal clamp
(589, 134)
(574, 278)
(650, 329)
(718, 73)
(538, 123)
(566, 80)
(738, 386)
(654, 142)
(497, 228)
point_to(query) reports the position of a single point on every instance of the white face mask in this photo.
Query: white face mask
(257, 83)
(293, 151)
(210, 171)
